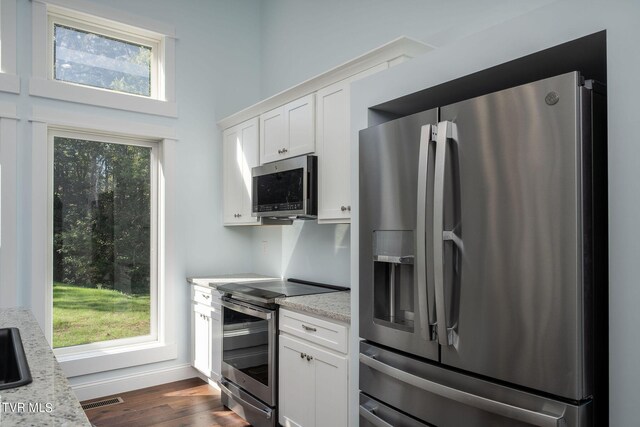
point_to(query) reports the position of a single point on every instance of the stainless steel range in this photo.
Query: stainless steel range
(249, 380)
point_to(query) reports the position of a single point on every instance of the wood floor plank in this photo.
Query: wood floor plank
(184, 403)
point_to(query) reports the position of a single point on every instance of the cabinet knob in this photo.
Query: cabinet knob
(239, 215)
(207, 296)
(343, 208)
(309, 358)
(284, 150)
(349, 208)
(279, 151)
(302, 355)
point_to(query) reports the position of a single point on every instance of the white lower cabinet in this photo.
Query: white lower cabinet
(313, 382)
(206, 332)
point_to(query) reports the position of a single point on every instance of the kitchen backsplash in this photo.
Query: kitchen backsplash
(304, 250)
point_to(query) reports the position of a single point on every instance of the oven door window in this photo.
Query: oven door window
(245, 344)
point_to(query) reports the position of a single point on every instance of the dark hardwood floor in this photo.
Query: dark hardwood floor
(189, 402)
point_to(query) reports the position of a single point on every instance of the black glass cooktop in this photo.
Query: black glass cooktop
(267, 292)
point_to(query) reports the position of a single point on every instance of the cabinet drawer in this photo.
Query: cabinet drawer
(204, 295)
(212, 311)
(327, 334)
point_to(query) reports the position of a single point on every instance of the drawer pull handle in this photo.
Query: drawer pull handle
(309, 328)
(206, 296)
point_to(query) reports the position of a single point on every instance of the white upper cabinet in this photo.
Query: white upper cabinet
(333, 150)
(333, 147)
(240, 154)
(288, 131)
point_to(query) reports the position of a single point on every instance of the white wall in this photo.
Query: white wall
(217, 73)
(551, 25)
(301, 39)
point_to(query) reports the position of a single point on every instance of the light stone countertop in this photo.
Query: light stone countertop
(214, 280)
(334, 305)
(48, 400)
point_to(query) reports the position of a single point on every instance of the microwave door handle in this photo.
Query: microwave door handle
(427, 135)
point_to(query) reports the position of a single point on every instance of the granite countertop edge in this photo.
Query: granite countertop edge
(334, 305)
(48, 400)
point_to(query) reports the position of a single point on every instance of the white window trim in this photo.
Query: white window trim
(99, 358)
(42, 84)
(8, 206)
(9, 80)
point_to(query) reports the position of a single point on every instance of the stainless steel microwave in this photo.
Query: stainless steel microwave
(286, 189)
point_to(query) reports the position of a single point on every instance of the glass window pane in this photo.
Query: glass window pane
(101, 241)
(96, 60)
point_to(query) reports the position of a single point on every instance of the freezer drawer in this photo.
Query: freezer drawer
(444, 397)
(376, 414)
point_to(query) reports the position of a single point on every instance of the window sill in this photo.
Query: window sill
(87, 95)
(108, 359)
(9, 83)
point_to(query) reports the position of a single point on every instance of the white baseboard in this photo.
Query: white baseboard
(95, 389)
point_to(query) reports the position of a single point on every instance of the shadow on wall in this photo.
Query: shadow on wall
(317, 252)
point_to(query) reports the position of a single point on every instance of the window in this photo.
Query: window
(136, 144)
(104, 222)
(89, 53)
(101, 57)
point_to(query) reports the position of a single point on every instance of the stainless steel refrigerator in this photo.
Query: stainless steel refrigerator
(480, 271)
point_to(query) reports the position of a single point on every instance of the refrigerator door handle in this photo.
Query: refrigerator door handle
(369, 415)
(427, 135)
(446, 130)
(469, 399)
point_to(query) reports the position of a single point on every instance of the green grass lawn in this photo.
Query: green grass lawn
(87, 315)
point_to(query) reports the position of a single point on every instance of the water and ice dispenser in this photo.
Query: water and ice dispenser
(393, 299)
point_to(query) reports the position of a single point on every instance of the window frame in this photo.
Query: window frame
(100, 137)
(41, 259)
(117, 24)
(102, 28)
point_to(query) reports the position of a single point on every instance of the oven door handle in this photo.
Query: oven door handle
(246, 309)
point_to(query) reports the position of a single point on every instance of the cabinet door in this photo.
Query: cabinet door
(248, 159)
(240, 153)
(334, 153)
(272, 135)
(296, 384)
(331, 388)
(201, 340)
(232, 174)
(300, 126)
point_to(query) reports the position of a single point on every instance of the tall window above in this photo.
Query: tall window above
(103, 57)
